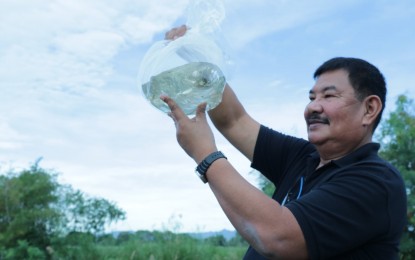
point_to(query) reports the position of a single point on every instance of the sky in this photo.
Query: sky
(69, 92)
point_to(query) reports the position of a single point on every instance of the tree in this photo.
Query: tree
(88, 214)
(397, 137)
(26, 208)
(36, 213)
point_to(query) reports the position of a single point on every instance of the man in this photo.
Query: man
(334, 199)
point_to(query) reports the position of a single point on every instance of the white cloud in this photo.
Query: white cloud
(89, 46)
(71, 43)
(9, 138)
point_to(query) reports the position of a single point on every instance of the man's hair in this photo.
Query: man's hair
(365, 78)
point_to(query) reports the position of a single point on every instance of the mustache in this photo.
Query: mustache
(316, 118)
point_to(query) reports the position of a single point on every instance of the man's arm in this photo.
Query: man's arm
(231, 119)
(267, 226)
(271, 229)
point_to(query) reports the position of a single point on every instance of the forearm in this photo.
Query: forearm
(268, 227)
(228, 111)
(234, 123)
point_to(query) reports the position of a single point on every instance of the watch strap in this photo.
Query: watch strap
(202, 168)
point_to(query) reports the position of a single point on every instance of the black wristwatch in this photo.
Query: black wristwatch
(202, 168)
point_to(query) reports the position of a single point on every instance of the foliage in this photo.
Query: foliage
(85, 214)
(76, 245)
(266, 185)
(35, 214)
(398, 147)
(24, 251)
(26, 209)
(42, 219)
(168, 245)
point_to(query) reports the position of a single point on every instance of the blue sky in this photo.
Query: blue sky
(69, 93)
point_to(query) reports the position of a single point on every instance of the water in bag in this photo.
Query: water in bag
(190, 69)
(189, 85)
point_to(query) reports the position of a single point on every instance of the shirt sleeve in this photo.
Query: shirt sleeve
(276, 154)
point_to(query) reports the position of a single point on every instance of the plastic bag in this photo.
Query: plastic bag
(192, 68)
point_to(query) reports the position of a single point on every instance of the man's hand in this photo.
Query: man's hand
(175, 33)
(193, 134)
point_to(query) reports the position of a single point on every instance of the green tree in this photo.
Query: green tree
(88, 214)
(26, 208)
(36, 213)
(397, 137)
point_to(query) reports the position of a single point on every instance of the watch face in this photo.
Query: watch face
(201, 176)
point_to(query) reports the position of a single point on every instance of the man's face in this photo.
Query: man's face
(334, 114)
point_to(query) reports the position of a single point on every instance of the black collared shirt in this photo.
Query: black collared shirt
(351, 208)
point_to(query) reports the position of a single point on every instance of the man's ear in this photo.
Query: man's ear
(373, 106)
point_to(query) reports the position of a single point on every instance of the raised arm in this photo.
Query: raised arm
(267, 226)
(231, 119)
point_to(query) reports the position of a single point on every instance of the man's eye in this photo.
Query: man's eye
(311, 98)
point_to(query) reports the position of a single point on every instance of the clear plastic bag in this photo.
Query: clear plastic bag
(192, 68)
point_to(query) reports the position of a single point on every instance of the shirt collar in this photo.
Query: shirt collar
(362, 152)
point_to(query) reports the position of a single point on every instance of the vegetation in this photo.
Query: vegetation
(169, 245)
(42, 219)
(397, 137)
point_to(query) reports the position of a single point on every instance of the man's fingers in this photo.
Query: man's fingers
(175, 33)
(201, 110)
(176, 112)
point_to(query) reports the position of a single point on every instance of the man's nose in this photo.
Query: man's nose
(314, 107)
